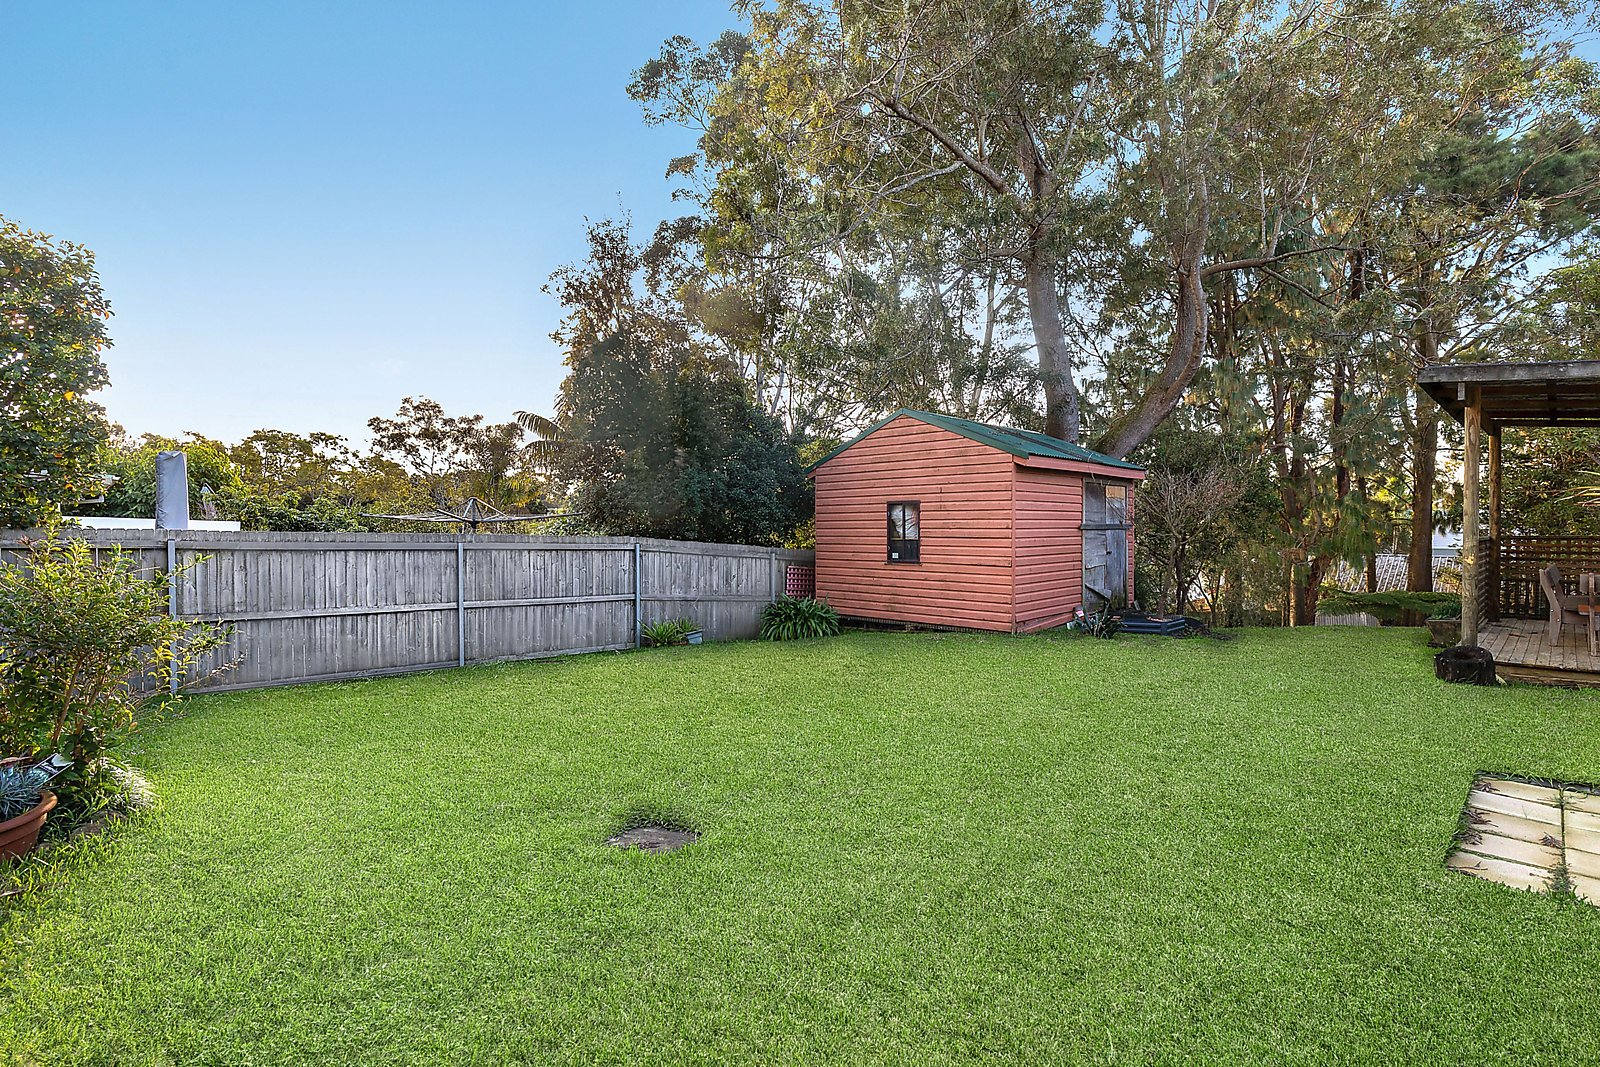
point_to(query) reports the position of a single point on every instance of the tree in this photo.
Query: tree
(667, 443)
(213, 476)
(452, 457)
(949, 111)
(52, 333)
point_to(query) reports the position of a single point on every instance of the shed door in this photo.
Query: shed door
(1105, 546)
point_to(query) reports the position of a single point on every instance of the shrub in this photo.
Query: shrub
(1102, 624)
(1390, 606)
(667, 632)
(87, 652)
(792, 617)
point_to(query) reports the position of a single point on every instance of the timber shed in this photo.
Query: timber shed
(931, 520)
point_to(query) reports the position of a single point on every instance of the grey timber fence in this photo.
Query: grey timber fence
(308, 607)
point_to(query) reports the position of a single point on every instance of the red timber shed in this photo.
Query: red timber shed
(932, 520)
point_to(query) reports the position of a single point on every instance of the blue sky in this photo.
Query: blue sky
(304, 212)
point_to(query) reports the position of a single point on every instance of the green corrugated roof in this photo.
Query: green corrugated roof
(1020, 443)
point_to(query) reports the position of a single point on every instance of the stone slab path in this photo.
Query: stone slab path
(1531, 836)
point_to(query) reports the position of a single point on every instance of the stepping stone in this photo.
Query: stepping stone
(1492, 822)
(1547, 857)
(1516, 875)
(653, 839)
(1575, 800)
(1508, 805)
(1529, 836)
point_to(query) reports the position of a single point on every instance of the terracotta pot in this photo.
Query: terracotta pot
(19, 835)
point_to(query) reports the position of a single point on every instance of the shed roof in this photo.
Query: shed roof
(1519, 394)
(1024, 444)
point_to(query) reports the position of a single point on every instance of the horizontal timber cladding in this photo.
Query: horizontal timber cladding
(325, 606)
(1001, 545)
(964, 493)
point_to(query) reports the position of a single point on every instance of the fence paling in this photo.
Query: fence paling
(316, 607)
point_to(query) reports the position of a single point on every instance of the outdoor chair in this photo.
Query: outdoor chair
(1565, 607)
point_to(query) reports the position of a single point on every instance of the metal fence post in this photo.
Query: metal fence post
(461, 604)
(638, 596)
(172, 611)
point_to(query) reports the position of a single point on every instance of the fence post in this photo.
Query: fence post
(461, 604)
(172, 611)
(638, 596)
(772, 575)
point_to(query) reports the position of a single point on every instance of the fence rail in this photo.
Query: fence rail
(325, 607)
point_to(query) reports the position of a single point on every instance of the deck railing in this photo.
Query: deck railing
(1514, 566)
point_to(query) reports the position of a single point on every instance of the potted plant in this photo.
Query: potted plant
(25, 803)
(1444, 626)
(671, 632)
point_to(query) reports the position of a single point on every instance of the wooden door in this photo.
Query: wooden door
(1105, 546)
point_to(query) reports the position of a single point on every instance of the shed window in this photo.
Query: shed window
(905, 531)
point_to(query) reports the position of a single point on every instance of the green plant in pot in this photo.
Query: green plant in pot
(1444, 626)
(671, 632)
(25, 803)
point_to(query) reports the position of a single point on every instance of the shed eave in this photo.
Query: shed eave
(1121, 474)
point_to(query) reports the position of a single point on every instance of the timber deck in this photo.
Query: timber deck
(1522, 654)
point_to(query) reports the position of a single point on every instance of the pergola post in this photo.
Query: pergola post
(1492, 551)
(1472, 457)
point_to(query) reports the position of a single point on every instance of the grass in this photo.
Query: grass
(917, 848)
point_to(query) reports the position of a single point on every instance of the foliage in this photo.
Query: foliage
(667, 443)
(87, 654)
(21, 788)
(1548, 484)
(1391, 607)
(665, 632)
(1202, 517)
(1102, 624)
(52, 333)
(455, 456)
(213, 476)
(790, 618)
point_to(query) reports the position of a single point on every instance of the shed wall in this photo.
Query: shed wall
(967, 509)
(1049, 547)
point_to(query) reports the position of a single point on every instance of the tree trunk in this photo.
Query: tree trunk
(1307, 590)
(1183, 355)
(1061, 415)
(1424, 468)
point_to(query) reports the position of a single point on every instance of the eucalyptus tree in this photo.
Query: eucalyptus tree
(830, 128)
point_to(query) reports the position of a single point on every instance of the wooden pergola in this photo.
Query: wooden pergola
(1485, 398)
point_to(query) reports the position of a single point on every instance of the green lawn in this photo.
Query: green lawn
(917, 849)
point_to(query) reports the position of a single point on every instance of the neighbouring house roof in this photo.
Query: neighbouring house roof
(1024, 444)
(1519, 394)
